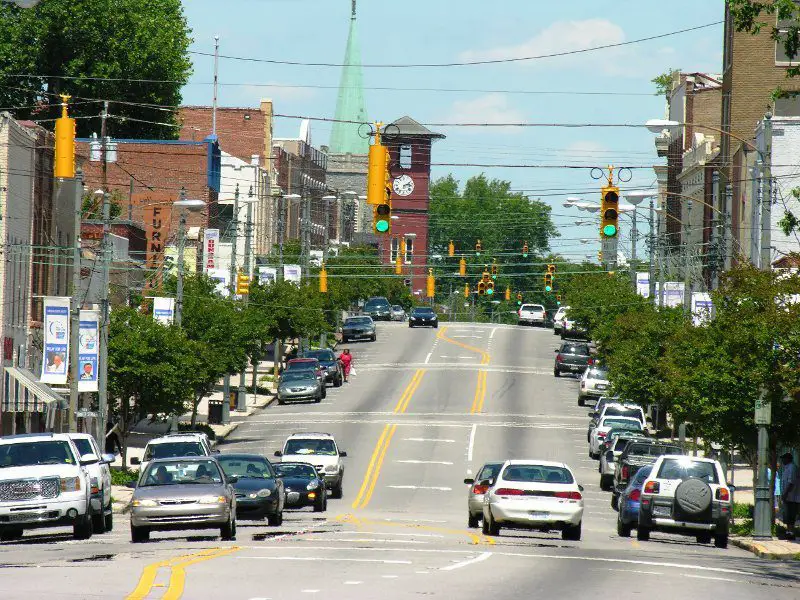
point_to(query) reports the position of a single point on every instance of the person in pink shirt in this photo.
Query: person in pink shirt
(346, 359)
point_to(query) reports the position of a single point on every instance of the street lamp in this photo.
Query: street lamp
(635, 197)
(186, 205)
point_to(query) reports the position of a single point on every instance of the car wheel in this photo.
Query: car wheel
(490, 527)
(721, 541)
(82, 529)
(410, 326)
(324, 392)
(319, 505)
(605, 483)
(318, 399)
(98, 523)
(109, 521)
(571, 533)
(556, 373)
(643, 534)
(275, 520)
(623, 530)
(345, 340)
(473, 520)
(436, 326)
(139, 534)
(10, 534)
(228, 531)
(336, 490)
(615, 501)
(703, 538)
(337, 381)
(581, 401)
(374, 338)
(281, 402)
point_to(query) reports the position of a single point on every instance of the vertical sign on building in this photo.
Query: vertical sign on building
(155, 209)
(292, 273)
(88, 350)
(267, 275)
(56, 340)
(210, 245)
(164, 310)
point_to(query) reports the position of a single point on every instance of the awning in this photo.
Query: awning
(22, 393)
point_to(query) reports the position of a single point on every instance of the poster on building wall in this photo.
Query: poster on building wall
(210, 245)
(56, 340)
(267, 275)
(88, 350)
(292, 273)
(164, 310)
(220, 276)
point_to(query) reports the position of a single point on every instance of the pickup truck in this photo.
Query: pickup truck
(635, 456)
(611, 450)
(572, 357)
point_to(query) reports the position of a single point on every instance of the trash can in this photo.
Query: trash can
(215, 412)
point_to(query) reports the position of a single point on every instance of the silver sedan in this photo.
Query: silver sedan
(183, 493)
(477, 488)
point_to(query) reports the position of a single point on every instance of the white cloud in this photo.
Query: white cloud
(491, 108)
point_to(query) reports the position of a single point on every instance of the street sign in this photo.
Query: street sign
(83, 413)
(763, 411)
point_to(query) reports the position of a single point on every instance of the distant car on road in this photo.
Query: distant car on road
(570, 330)
(423, 316)
(636, 456)
(321, 451)
(398, 313)
(329, 363)
(531, 314)
(558, 319)
(629, 502)
(259, 492)
(303, 485)
(594, 383)
(174, 444)
(599, 433)
(572, 357)
(299, 385)
(379, 309)
(477, 489)
(358, 328)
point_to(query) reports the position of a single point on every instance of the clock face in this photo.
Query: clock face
(403, 185)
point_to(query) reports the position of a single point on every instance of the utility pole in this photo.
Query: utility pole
(279, 276)
(305, 234)
(651, 280)
(241, 395)
(687, 277)
(216, 83)
(727, 233)
(661, 261)
(102, 380)
(75, 308)
(766, 197)
(181, 250)
(634, 239)
(715, 237)
(234, 225)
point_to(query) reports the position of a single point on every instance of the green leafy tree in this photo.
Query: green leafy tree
(134, 52)
(664, 81)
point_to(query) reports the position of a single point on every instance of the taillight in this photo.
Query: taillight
(591, 362)
(569, 495)
(601, 434)
(559, 358)
(723, 494)
(508, 492)
(625, 471)
(479, 489)
(652, 487)
(635, 495)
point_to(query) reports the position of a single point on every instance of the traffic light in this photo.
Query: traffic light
(64, 164)
(525, 250)
(379, 189)
(490, 288)
(242, 284)
(466, 290)
(548, 282)
(551, 269)
(508, 294)
(323, 279)
(519, 298)
(398, 261)
(558, 299)
(462, 267)
(494, 270)
(609, 212)
(451, 249)
(478, 248)
(481, 288)
(431, 284)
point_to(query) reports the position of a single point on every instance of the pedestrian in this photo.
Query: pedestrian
(790, 493)
(347, 360)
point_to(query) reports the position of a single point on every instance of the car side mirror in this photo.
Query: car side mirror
(278, 453)
(556, 350)
(580, 487)
(215, 452)
(107, 459)
(342, 453)
(233, 479)
(89, 459)
(135, 461)
(131, 484)
(469, 480)
(610, 456)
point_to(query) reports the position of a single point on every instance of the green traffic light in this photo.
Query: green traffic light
(490, 291)
(558, 303)
(519, 302)
(382, 226)
(610, 230)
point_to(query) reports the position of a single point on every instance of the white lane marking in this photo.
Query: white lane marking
(427, 358)
(353, 582)
(629, 562)
(421, 572)
(364, 548)
(428, 440)
(390, 576)
(491, 335)
(471, 445)
(420, 487)
(430, 535)
(466, 563)
(712, 578)
(416, 520)
(630, 571)
(424, 462)
(329, 559)
(309, 591)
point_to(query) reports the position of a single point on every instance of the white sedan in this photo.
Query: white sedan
(534, 494)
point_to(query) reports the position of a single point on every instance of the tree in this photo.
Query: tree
(133, 52)
(664, 81)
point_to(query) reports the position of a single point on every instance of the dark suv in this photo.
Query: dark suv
(379, 309)
(572, 357)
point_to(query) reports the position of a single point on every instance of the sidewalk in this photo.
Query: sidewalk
(774, 549)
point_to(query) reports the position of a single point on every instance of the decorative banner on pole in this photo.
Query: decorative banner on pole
(292, 273)
(56, 340)
(210, 244)
(164, 310)
(702, 308)
(88, 350)
(221, 277)
(267, 275)
(643, 284)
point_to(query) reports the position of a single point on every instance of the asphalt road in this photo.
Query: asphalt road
(424, 409)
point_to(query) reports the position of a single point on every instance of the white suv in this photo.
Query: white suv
(44, 483)
(321, 451)
(175, 445)
(532, 314)
(686, 494)
(100, 480)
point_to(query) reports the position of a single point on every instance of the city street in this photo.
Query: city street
(425, 408)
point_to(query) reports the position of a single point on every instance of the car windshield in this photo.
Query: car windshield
(83, 445)
(618, 411)
(684, 468)
(377, 304)
(309, 446)
(532, 307)
(537, 473)
(320, 354)
(489, 471)
(295, 470)
(422, 311)
(301, 365)
(620, 445)
(653, 449)
(596, 374)
(181, 472)
(641, 475)
(621, 425)
(245, 467)
(26, 454)
(173, 449)
(298, 375)
(575, 349)
(397, 308)
(357, 321)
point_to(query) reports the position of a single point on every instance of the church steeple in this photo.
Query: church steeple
(350, 105)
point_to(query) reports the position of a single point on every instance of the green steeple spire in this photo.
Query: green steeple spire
(350, 104)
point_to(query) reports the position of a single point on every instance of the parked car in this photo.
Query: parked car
(299, 385)
(604, 426)
(330, 365)
(423, 316)
(533, 494)
(358, 328)
(398, 313)
(594, 383)
(477, 489)
(610, 450)
(321, 451)
(686, 495)
(183, 493)
(532, 314)
(303, 484)
(572, 357)
(616, 409)
(570, 330)
(378, 308)
(44, 482)
(100, 480)
(558, 319)
(174, 444)
(637, 455)
(630, 497)
(259, 491)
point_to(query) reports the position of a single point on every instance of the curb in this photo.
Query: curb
(762, 551)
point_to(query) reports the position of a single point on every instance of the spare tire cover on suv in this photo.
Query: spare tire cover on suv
(693, 496)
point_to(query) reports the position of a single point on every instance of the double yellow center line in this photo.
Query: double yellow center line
(379, 453)
(480, 388)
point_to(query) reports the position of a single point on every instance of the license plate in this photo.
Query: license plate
(661, 511)
(537, 514)
(573, 367)
(601, 386)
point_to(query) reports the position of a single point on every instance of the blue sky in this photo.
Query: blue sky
(431, 31)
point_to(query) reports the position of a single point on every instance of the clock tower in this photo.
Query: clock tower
(409, 146)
